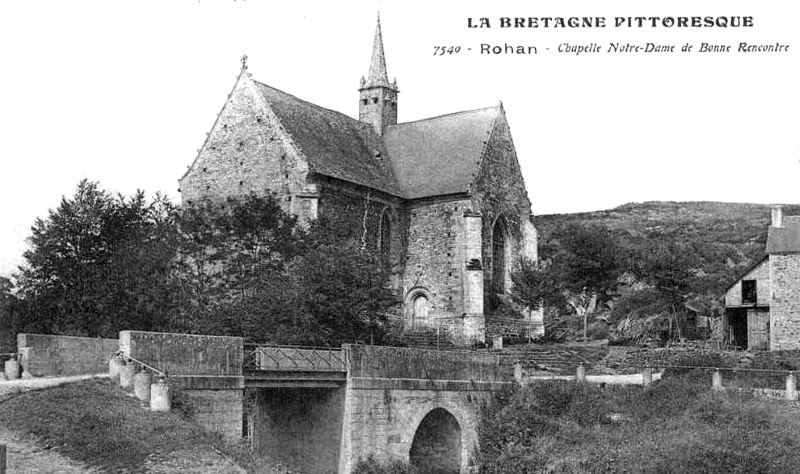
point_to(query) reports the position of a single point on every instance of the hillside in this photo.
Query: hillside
(721, 239)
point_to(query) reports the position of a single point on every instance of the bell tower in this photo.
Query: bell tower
(377, 103)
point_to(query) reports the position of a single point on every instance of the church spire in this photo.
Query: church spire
(378, 97)
(377, 66)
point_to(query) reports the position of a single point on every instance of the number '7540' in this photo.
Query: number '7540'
(442, 50)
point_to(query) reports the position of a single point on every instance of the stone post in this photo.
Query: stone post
(159, 396)
(141, 385)
(580, 374)
(791, 387)
(647, 377)
(716, 381)
(126, 375)
(12, 369)
(114, 366)
(497, 342)
(518, 373)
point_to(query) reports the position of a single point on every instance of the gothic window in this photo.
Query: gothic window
(499, 255)
(420, 312)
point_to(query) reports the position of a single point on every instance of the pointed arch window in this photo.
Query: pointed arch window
(500, 255)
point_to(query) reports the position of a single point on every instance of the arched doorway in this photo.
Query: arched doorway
(436, 447)
(419, 306)
(500, 253)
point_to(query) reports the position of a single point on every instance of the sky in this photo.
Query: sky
(123, 92)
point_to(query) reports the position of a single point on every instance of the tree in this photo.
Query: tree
(579, 269)
(261, 276)
(344, 285)
(98, 264)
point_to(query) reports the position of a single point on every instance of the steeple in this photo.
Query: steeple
(378, 97)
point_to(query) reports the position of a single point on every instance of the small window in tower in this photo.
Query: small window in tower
(364, 102)
(205, 170)
(241, 183)
(394, 105)
(374, 100)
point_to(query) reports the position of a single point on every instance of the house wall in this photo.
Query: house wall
(760, 273)
(246, 152)
(784, 271)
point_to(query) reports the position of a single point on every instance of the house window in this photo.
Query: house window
(749, 295)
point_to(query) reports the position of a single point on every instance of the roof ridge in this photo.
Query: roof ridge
(446, 115)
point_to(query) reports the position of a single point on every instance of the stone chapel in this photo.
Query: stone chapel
(442, 198)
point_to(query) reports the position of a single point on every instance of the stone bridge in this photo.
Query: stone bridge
(323, 410)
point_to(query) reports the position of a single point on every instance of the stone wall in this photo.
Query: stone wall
(247, 152)
(434, 266)
(51, 355)
(390, 391)
(514, 328)
(403, 363)
(785, 305)
(208, 369)
(185, 354)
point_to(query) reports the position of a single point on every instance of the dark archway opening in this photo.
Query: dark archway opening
(499, 255)
(436, 447)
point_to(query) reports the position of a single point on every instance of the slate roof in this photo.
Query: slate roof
(430, 157)
(439, 155)
(334, 144)
(784, 239)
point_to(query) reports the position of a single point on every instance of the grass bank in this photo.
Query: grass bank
(100, 425)
(677, 426)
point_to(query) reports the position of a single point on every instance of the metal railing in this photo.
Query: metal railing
(288, 358)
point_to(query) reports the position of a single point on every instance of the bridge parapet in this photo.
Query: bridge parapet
(376, 362)
(287, 358)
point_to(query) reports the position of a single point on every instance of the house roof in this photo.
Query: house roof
(334, 144)
(784, 239)
(439, 155)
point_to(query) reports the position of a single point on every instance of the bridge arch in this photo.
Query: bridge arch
(437, 444)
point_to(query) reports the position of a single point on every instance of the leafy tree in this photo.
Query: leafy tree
(259, 275)
(98, 264)
(579, 269)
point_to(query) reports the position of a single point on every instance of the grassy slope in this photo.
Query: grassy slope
(98, 424)
(676, 427)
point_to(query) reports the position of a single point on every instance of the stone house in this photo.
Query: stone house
(762, 307)
(442, 198)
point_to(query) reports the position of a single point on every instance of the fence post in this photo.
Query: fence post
(716, 380)
(791, 387)
(580, 374)
(647, 377)
(2, 459)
